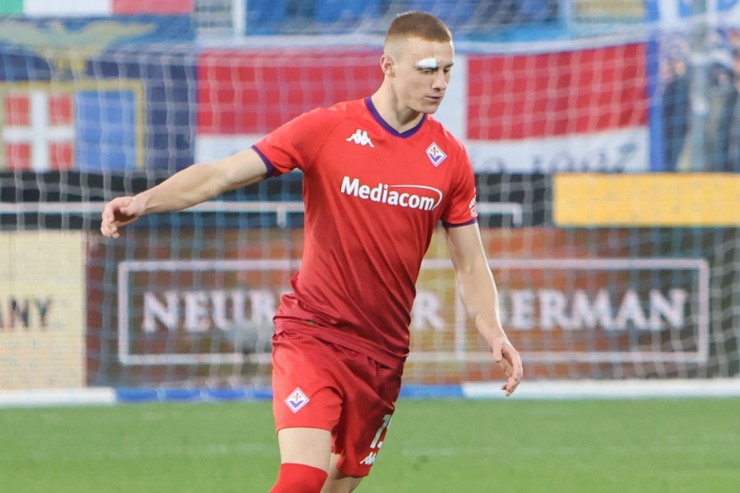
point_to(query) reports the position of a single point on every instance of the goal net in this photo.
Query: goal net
(612, 260)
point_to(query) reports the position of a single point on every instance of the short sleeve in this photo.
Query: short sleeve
(461, 209)
(294, 144)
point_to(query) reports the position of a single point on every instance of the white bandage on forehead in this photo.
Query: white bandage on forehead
(427, 63)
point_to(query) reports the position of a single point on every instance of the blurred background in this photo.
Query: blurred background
(603, 136)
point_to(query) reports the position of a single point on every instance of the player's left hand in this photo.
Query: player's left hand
(507, 357)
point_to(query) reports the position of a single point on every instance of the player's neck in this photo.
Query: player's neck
(400, 117)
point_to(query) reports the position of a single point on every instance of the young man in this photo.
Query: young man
(379, 174)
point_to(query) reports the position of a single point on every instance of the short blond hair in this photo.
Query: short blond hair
(420, 25)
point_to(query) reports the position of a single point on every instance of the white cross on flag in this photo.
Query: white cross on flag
(37, 128)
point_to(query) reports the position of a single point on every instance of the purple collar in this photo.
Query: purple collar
(404, 135)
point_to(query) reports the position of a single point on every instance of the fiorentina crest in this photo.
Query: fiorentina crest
(435, 154)
(297, 400)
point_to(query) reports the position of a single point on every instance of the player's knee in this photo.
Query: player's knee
(299, 478)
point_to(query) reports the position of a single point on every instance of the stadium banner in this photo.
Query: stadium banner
(57, 125)
(657, 199)
(532, 112)
(94, 33)
(622, 150)
(94, 8)
(121, 101)
(244, 94)
(580, 305)
(587, 310)
(42, 310)
(165, 7)
(570, 110)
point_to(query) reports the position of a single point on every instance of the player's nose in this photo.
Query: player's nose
(440, 81)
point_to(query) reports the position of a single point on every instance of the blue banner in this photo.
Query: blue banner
(122, 110)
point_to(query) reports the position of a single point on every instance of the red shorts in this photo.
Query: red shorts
(317, 384)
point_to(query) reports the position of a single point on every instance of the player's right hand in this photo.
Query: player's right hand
(118, 213)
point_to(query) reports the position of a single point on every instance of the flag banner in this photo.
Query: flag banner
(119, 110)
(102, 8)
(87, 35)
(254, 92)
(168, 75)
(569, 110)
(559, 111)
(556, 94)
(170, 7)
(243, 95)
(57, 126)
(67, 8)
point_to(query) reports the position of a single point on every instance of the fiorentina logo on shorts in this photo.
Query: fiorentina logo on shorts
(435, 154)
(297, 400)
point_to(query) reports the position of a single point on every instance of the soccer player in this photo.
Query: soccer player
(379, 174)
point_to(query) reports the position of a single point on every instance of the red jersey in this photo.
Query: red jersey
(373, 197)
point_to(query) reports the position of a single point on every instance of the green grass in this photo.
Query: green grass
(645, 446)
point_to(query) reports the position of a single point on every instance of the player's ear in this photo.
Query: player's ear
(387, 65)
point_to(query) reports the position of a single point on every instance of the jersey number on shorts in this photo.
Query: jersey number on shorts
(386, 422)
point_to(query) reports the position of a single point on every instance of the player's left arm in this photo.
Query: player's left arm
(480, 298)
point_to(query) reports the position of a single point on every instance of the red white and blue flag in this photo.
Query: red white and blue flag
(583, 109)
(56, 126)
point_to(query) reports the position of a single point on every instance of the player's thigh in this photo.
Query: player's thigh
(337, 482)
(305, 394)
(307, 446)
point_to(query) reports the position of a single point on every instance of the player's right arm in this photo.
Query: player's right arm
(184, 189)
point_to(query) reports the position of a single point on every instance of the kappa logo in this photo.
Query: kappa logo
(297, 400)
(360, 137)
(370, 459)
(435, 154)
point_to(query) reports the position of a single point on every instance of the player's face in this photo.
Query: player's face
(422, 73)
